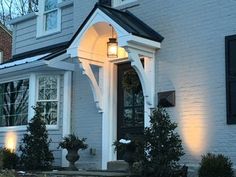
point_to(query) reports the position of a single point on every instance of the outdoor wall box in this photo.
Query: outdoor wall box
(166, 99)
(92, 151)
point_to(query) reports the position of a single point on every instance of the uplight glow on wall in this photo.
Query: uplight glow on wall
(11, 141)
(194, 125)
(194, 135)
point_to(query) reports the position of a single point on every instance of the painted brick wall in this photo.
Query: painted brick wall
(192, 62)
(5, 43)
(86, 121)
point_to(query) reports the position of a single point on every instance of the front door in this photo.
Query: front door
(130, 109)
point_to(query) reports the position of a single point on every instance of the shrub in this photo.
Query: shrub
(7, 173)
(9, 159)
(35, 148)
(213, 165)
(162, 146)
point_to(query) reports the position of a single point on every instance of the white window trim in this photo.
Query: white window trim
(56, 126)
(116, 3)
(1, 56)
(19, 127)
(41, 21)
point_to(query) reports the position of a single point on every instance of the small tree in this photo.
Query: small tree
(35, 149)
(162, 146)
(213, 165)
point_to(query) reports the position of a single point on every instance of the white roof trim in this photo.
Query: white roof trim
(23, 61)
(21, 67)
(143, 41)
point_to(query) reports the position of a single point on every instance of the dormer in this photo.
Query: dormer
(49, 17)
(52, 24)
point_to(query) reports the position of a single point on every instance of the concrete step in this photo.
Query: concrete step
(84, 174)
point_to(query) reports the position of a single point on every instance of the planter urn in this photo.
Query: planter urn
(72, 156)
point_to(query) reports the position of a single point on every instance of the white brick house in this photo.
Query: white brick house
(186, 47)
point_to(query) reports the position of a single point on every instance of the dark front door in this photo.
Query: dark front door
(130, 109)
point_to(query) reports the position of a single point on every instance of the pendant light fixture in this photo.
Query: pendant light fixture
(112, 46)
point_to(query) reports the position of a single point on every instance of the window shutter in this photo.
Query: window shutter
(105, 2)
(231, 78)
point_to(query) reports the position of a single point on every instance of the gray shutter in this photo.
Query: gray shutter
(231, 78)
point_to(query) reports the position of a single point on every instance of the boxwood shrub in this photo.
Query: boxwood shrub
(215, 165)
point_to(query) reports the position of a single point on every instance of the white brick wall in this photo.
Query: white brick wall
(192, 62)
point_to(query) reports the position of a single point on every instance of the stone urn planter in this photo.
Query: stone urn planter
(72, 156)
(73, 144)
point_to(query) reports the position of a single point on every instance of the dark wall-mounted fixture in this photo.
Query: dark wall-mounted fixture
(166, 99)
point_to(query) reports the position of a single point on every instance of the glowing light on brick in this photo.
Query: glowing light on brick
(11, 141)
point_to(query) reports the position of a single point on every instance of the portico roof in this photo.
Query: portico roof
(127, 21)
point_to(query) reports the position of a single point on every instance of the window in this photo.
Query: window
(50, 16)
(230, 45)
(116, 3)
(14, 103)
(1, 56)
(47, 97)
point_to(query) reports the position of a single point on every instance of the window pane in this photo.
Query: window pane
(51, 20)
(50, 4)
(47, 88)
(14, 103)
(128, 97)
(128, 120)
(49, 112)
(47, 98)
(138, 101)
(139, 117)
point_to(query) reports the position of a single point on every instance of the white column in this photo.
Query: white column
(106, 134)
(32, 97)
(66, 124)
(113, 110)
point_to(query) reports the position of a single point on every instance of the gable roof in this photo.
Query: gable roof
(126, 20)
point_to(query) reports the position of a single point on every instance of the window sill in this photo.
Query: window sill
(13, 128)
(52, 127)
(24, 128)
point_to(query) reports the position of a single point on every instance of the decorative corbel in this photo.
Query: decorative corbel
(97, 92)
(146, 73)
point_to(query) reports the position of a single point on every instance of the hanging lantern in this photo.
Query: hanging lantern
(112, 46)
